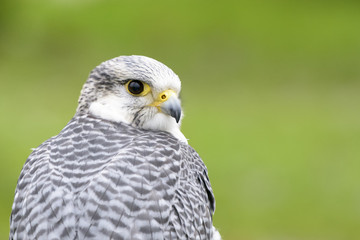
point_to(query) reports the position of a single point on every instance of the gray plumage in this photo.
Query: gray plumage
(100, 179)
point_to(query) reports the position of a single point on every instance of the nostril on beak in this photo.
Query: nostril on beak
(163, 97)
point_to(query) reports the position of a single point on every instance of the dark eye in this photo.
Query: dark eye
(135, 87)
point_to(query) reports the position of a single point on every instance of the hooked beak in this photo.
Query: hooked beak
(168, 103)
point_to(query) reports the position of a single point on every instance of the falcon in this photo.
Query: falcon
(121, 168)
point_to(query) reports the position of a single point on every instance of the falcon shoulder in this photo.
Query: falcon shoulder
(104, 180)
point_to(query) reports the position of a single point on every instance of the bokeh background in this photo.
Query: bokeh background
(270, 91)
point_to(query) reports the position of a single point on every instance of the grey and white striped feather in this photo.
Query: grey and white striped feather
(105, 180)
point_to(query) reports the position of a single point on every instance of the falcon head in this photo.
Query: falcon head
(135, 90)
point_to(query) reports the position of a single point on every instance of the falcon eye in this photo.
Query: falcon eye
(137, 88)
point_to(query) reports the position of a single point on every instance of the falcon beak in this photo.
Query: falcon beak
(172, 107)
(167, 102)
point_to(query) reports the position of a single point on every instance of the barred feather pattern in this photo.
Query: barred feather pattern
(103, 180)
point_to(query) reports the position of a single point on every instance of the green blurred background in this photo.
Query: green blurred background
(270, 92)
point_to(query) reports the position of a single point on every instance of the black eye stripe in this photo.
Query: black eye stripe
(135, 87)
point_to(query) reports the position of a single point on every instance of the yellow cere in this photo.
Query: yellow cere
(162, 97)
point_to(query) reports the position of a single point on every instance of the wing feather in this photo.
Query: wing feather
(102, 180)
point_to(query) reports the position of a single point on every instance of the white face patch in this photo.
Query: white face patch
(110, 108)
